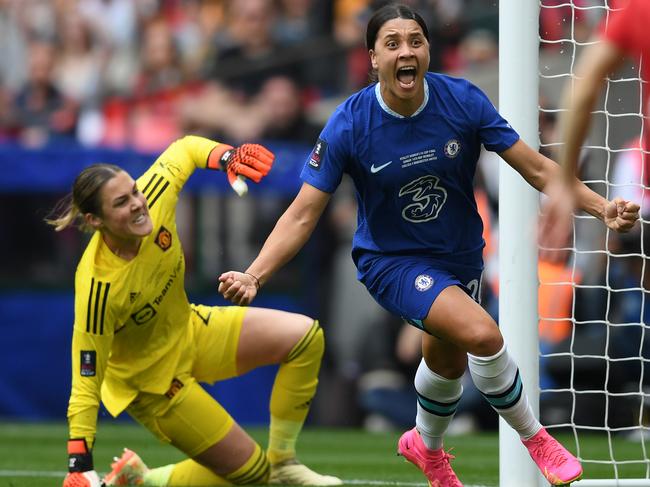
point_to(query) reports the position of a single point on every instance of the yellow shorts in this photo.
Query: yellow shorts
(187, 416)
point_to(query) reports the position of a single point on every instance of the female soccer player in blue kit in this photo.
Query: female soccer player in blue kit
(410, 143)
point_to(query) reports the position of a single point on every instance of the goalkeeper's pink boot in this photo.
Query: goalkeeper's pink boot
(556, 463)
(434, 463)
(129, 469)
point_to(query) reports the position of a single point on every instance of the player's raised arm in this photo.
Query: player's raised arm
(179, 160)
(543, 174)
(289, 235)
(252, 161)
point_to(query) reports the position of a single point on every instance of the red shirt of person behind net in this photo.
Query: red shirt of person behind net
(627, 26)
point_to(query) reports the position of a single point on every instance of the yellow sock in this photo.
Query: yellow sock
(282, 439)
(293, 390)
(254, 471)
(158, 477)
(188, 472)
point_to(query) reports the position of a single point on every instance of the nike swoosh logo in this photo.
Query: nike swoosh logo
(374, 169)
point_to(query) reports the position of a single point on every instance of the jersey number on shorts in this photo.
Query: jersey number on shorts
(427, 199)
(474, 286)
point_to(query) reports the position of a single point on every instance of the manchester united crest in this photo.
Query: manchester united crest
(164, 238)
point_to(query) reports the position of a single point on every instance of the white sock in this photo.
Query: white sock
(497, 377)
(437, 402)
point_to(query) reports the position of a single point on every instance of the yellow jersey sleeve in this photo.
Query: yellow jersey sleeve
(91, 344)
(89, 358)
(175, 165)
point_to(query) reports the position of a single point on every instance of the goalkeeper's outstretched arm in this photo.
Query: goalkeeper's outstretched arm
(291, 232)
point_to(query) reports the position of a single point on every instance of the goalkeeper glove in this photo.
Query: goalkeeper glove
(253, 161)
(81, 472)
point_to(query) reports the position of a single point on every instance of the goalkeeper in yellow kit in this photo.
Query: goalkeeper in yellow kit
(139, 345)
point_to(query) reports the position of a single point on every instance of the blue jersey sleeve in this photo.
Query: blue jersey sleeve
(494, 131)
(329, 158)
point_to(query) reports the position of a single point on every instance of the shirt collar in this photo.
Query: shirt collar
(392, 112)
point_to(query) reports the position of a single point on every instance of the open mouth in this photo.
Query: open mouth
(406, 76)
(142, 217)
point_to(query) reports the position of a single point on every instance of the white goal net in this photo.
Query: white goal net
(595, 294)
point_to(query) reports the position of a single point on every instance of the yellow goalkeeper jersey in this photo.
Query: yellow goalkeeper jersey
(132, 318)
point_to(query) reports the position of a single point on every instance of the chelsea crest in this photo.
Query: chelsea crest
(452, 148)
(423, 282)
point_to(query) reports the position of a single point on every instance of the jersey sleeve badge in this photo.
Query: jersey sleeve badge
(316, 157)
(88, 363)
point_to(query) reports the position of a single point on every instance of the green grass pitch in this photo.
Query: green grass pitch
(33, 454)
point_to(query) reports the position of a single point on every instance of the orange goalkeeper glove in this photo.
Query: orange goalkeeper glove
(252, 161)
(81, 472)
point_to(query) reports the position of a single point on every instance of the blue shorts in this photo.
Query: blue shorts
(408, 285)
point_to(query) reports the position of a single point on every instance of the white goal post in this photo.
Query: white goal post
(518, 87)
(524, 75)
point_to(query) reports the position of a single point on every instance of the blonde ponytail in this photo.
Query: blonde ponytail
(84, 198)
(64, 214)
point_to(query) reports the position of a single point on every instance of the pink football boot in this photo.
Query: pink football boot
(556, 463)
(433, 463)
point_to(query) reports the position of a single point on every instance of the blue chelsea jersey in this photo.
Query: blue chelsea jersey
(413, 175)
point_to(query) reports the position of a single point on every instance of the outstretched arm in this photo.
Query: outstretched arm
(291, 232)
(252, 161)
(542, 174)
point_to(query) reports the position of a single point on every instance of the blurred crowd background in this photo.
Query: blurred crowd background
(141, 73)
(127, 77)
